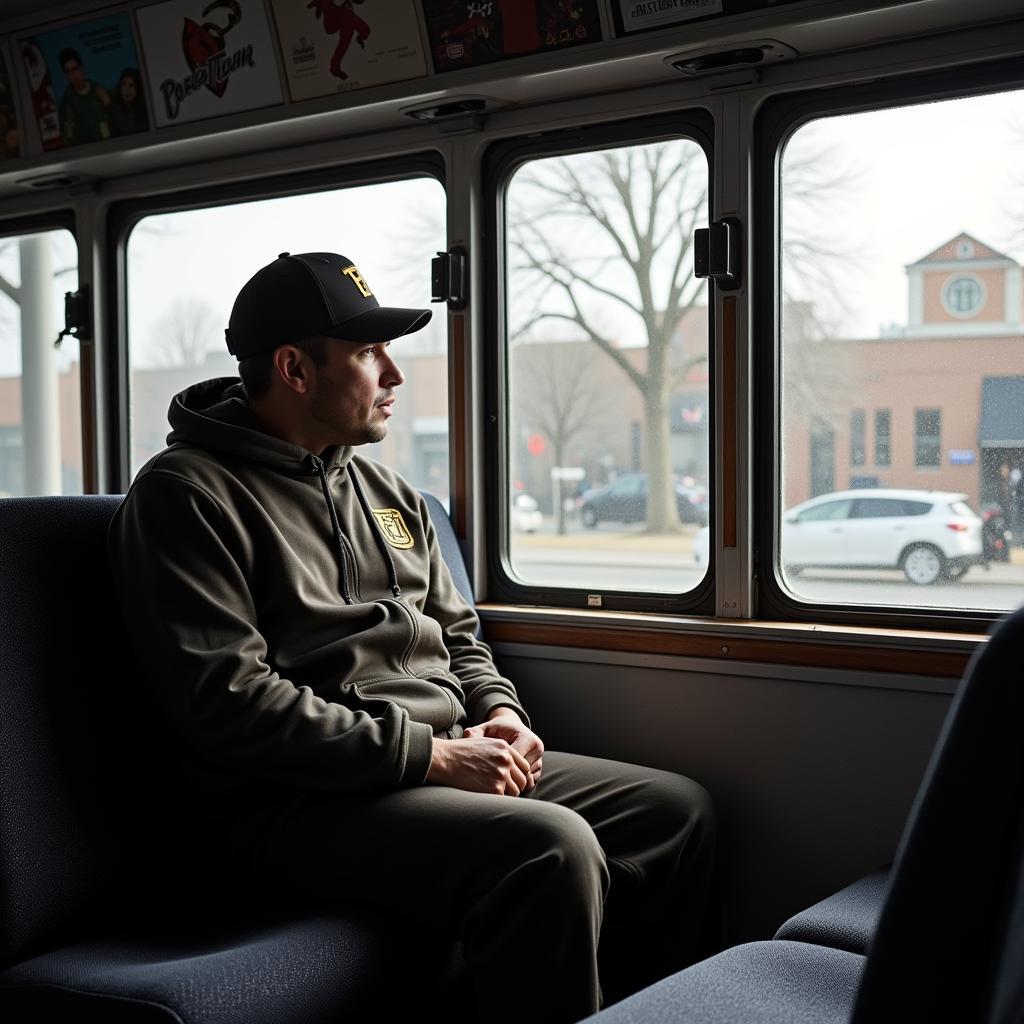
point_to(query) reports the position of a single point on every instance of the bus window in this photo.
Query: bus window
(185, 268)
(902, 307)
(607, 369)
(40, 384)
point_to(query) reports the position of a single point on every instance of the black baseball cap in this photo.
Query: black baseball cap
(312, 293)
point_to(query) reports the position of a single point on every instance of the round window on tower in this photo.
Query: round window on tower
(963, 296)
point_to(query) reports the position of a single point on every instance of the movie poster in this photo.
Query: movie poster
(636, 15)
(332, 46)
(465, 33)
(204, 58)
(10, 143)
(85, 82)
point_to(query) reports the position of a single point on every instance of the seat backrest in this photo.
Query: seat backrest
(449, 545)
(93, 823)
(82, 810)
(1007, 1006)
(947, 924)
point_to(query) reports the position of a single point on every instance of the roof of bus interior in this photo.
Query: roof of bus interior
(615, 66)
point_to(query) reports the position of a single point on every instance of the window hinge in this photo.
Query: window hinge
(449, 278)
(77, 316)
(716, 253)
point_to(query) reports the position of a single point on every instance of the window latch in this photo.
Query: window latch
(716, 253)
(449, 278)
(77, 319)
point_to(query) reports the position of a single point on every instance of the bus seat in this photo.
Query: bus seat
(845, 920)
(952, 922)
(105, 911)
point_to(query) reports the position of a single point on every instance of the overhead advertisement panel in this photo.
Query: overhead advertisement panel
(10, 141)
(85, 82)
(465, 33)
(208, 59)
(642, 15)
(639, 14)
(330, 46)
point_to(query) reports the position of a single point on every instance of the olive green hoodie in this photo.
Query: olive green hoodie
(293, 614)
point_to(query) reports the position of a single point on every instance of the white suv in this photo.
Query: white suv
(930, 535)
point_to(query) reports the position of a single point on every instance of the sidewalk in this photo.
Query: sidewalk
(616, 545)
(610, 538)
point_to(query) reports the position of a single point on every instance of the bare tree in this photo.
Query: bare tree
(8, 288)
(1013, 210)
(420, 235)
(556, 393)
(13, 291)
(817, 272)
(185, 333)
(613, 230)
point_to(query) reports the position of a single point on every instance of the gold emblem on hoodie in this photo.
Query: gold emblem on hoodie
(392, 525)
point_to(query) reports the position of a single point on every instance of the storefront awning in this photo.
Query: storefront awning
(1002, 412)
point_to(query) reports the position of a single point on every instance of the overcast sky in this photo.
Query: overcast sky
(917, 177)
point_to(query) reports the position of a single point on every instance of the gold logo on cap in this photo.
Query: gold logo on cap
(357, 279)
(392, 525)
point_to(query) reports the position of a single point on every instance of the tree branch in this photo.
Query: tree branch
(680, 373)
(677, 287)
(13, 293)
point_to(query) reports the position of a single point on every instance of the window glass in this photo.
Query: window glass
(883, 440)
(607, 365)
(826, 510)
(176, 334)
(875, 508)
(928, 437)
(40, 403)
(901, 294)
(857, 453)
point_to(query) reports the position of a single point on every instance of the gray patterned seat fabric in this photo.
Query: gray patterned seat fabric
(225, 966)
(757, 983)
(846, 920)
(109, 908)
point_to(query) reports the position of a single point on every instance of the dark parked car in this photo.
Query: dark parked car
(625, 501)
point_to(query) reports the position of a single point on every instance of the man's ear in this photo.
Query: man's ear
(294, 369)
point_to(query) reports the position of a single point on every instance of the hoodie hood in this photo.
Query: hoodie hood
(215, 415)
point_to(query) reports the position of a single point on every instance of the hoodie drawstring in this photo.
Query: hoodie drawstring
(371, 521)
(345, 590)
(382, 544)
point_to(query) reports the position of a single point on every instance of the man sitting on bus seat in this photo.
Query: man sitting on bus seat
(345, 732)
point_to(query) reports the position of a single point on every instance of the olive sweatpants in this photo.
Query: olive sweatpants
(601, 863)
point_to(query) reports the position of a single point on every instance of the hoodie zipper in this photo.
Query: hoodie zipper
(345, 550)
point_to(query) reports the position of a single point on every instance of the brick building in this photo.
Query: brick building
(935, 404)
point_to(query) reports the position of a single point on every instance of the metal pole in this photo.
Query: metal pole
(40, 412)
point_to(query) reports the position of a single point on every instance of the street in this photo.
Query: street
(617, 557)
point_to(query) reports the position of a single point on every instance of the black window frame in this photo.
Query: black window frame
(123, 217)
(501, 160)
(777, 120)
